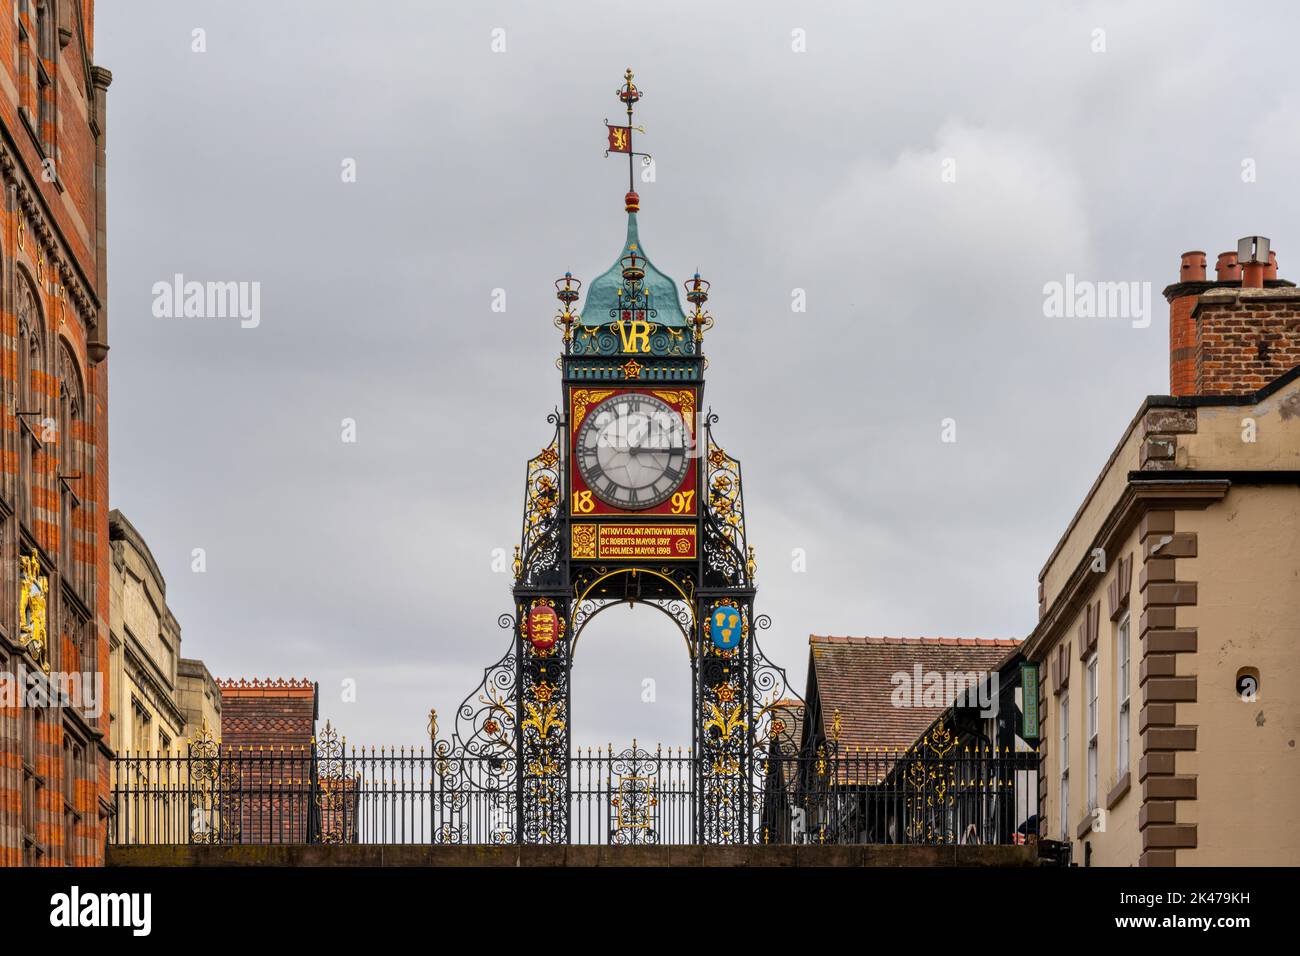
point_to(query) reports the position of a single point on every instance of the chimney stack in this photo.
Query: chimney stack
(1236, 333)
(1182, 328)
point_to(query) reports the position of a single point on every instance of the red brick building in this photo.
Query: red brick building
(269, 726)
(54, 604)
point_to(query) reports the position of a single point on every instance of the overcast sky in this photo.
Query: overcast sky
(829, 170)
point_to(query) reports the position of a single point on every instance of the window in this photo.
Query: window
(140, 720)
(1122, 696)
(71, 470)
(24, 73)
(1092, 732)
(72, 756)
(45, 46)
(1063, 718)
(33, 787)
(31, 410)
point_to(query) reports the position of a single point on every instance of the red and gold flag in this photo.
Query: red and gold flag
(620, 139)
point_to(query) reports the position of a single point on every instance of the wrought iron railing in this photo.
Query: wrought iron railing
(331, 794)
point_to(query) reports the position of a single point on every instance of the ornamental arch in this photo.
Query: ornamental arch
(632, 500)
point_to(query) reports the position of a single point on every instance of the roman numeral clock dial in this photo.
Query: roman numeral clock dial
(632, 451)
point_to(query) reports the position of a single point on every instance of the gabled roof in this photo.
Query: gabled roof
(855, 676)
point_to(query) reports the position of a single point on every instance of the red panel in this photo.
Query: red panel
(583, 502)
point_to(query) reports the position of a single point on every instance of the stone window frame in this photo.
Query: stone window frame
(1123, 693)
(1092, 727)
(1063, 762)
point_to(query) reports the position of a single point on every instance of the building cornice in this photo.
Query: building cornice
(1148, 404)
(1159, 491)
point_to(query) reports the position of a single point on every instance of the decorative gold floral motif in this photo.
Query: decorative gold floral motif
(544, 718)
(583, 542)
(684, 399)
(582, 400)
(726, 724)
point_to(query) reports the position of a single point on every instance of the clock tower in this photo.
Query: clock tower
(632, 500)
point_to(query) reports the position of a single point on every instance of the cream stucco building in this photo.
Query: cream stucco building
(1169, 630)
(158, 699)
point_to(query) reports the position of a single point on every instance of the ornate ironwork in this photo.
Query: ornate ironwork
(540, 552)
(544, 733)
(936, 792)
(332, 790)
(214, 810)
(728, 558)
(634, 800)
(930, 788)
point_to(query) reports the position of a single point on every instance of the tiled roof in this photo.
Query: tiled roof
(853, 676)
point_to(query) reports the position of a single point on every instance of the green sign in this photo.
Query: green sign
(1029, 701)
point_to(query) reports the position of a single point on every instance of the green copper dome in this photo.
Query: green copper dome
(602, 294)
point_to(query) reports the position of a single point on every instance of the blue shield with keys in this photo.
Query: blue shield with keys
(724, 627)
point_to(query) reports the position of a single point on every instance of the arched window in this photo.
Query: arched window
(32, 410)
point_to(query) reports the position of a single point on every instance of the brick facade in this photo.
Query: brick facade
(271, 725)
(54, 761)
(1247, 338)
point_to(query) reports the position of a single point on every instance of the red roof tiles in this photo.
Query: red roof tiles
(854, 675)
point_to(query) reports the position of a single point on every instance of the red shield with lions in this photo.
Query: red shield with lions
(543, 627)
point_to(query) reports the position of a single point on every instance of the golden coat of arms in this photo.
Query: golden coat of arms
(33, 590)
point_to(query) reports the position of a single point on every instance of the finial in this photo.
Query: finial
(697, 293)
(620, 139)
(566, 290)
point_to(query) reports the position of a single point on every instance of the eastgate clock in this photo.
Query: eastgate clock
(631, 451)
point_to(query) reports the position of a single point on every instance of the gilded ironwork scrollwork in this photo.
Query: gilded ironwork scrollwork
(538, 558)
(635, 779)
(214, 796)
(337, 819)
(728, 560)
(544, 729)
(476, 768)
(929, 788)
(725, 729)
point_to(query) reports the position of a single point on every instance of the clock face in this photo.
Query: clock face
(632, 451)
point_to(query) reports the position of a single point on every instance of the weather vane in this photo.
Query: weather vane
(620, 138)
